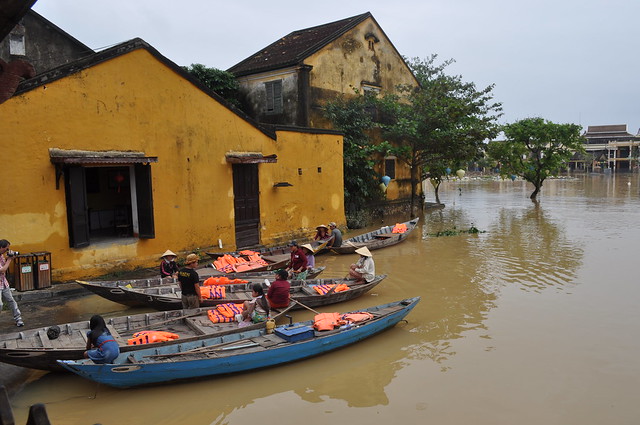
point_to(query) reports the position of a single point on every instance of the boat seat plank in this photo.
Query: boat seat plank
(44, 339)
(11, 344)
(196, 326)
(114, 333)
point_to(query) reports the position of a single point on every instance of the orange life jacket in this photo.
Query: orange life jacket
(357, 317)
(399, 228)
(326, 321)
(229, 309)
(149, 337)
(323, 289)
(216, 317)
(212, 292)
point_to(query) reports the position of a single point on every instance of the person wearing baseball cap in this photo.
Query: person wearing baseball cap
(190, 282)
(364, 270)
(336, 236)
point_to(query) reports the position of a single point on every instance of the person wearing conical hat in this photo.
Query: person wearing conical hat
(311, 260)
(364, 269)
(322, 233)
(168, 265)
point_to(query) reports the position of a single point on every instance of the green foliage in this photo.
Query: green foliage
(442, 123)
(535, 149)
(455, 232)
(222, 82)
(352, 116)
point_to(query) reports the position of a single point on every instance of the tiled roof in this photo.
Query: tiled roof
(618, 130)
(296, 46)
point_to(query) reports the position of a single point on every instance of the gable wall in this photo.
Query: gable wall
(134, 102)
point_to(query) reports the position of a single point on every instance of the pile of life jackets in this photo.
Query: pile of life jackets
(212, 292)
(399, 228)
(224, 313)
(323, 289)
(149, 337)
(222, 280)
(249, 260)
(330, 321)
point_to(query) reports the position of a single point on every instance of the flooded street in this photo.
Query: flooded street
(532, 321)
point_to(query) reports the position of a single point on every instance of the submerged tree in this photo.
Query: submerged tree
(440, 124)
(535, 149)
(222, 82)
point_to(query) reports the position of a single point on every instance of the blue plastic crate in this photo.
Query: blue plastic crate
(294, 333)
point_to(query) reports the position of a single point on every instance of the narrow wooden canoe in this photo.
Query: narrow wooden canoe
(376, 239)
(112, 289)
(32, 348)
(238, 352)
(169, 297)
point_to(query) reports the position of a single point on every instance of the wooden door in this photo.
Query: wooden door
(246, 204)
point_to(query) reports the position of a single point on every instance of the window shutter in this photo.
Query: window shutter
(77, 216)
(144, 196)
(277, 96)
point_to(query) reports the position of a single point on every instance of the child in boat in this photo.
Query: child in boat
(168, 265)
(256, 310)
(101, 347)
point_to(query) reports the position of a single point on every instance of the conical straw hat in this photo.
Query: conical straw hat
(364, 251)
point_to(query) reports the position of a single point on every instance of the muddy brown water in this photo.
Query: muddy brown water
(533, 321)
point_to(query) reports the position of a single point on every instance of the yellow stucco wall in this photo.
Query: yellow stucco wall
(134, 102)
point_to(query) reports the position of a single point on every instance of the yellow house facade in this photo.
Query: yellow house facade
(115, 158)
(290, 80)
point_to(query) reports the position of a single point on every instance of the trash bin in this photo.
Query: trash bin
(42, 267)
(23, 272)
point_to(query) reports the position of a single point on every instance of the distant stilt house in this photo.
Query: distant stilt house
(608, 147)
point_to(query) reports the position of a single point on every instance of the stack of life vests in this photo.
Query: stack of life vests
(224, 313)
(222, 280)
(399, 228)
(323, 289)
(212, 292)
(229, 263)
(330, 321)
(150, 337)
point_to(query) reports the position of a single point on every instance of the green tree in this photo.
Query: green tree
(535, 149)
(352, 116)
(222, 82)
(440, 124)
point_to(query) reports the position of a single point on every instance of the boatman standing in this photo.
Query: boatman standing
(190, 282)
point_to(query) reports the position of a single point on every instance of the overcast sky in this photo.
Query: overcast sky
(563, 60)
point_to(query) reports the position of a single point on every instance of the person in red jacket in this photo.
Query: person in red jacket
(278, 293)
(298, 263)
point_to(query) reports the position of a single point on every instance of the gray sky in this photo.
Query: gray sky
(563, 60)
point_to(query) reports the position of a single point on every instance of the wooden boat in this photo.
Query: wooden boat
(376, 239)
(238, 352)
(32, 348)
(169, 297)
(112, 289)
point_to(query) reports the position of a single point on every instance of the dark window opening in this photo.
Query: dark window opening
(390, 167)
(100, 203)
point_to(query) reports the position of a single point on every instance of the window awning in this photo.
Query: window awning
(62, 156)
(249, 158)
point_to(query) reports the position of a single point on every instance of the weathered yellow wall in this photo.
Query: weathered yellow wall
(134, 102)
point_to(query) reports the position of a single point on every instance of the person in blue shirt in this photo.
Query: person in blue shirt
(101, 346)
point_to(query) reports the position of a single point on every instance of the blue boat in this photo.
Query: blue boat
(239, 352)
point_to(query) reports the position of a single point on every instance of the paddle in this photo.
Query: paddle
(308, 308)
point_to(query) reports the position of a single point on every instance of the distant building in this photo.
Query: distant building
(41, 43)
(608, 147)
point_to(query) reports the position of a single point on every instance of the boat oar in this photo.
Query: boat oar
(308, 308)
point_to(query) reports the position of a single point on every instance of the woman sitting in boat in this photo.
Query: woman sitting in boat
(322, 233)
(298, 263)
(278, 293)
(168, 265)
(308, 252)
(256, 310)
(364, 269)
(101, 347)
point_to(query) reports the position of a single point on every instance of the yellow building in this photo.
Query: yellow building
(290, 80)
(115, 158)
